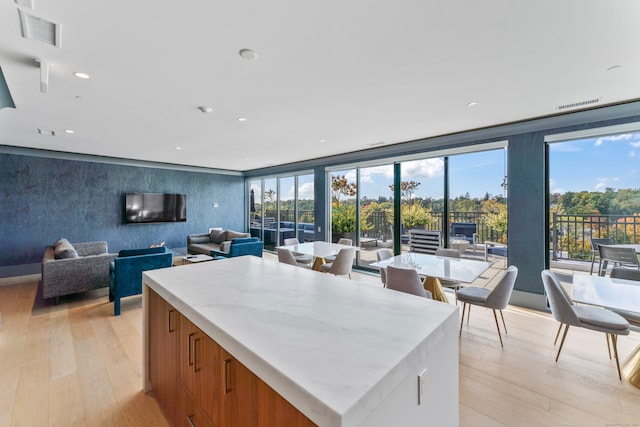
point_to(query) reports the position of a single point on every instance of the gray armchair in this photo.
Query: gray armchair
(495, 299)
(582, 316)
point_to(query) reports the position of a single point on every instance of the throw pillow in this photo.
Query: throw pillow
(218, 236)
(64, 249)
(234, 235)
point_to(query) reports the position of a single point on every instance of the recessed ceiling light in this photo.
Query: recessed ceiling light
(472, 104)
(83, 76)
(69, 131)
(248, 54)
(178, 148)
(323, 140)
(242, 119)
(615, 67)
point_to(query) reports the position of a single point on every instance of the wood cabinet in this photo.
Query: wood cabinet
(199, 368)
(198, 383)
(163, 349)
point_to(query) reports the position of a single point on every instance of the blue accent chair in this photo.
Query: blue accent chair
(126, 271)
(241, 246)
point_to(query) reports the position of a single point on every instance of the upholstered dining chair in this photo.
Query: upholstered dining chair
(627, 274)
(567, 313)
(449, 253)
(495, 299)
(286, 256)
(305, 259)
(406, 280)
(341, 241)
(383, 254)
(342, 264)
(594, 250)
(619, 256)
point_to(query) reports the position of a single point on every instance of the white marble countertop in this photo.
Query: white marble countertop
(330, 346)
(459, 269)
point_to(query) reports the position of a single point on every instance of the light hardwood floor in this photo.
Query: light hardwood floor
(75, 364)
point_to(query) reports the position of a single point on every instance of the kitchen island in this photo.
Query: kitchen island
(342, 353)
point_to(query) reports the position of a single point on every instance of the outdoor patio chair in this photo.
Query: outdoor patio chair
(619, 256)
(495, 299)
(594, 249)
(583, 316)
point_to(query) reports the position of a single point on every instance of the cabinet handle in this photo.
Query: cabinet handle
(227, 375)
(190, 348)
(190, 421)
(196, 368)
(172, 315)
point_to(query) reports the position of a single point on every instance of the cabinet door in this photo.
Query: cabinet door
(240, 393)
(162, 336)
(199, 369)
(190, 413)
(275, 411)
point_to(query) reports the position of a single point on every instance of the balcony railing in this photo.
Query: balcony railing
(571, 234)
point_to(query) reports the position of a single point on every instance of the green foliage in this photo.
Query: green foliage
(416, 215)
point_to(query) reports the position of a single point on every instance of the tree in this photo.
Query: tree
(407, 188)
(341, 187)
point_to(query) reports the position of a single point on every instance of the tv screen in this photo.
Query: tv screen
(155, 207)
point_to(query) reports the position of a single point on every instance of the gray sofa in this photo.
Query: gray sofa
(68, 268)
(217, 240)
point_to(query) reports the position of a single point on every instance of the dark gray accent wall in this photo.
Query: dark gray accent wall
(43, 199)
(526, 195)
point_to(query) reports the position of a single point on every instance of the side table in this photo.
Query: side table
(189, 259)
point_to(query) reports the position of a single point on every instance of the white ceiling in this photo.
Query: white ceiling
(330, 77)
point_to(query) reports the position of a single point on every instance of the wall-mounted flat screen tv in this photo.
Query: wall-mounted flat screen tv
(155, 207)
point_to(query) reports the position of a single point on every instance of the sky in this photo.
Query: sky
(591, 164)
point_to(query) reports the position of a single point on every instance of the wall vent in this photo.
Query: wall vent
(579, 104)
(35, 28)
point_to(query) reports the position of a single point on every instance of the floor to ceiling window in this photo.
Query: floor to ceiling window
(594, 191)
(281, 208)
(456, 188)
(375, 194)
(477, 195)
(422, 196)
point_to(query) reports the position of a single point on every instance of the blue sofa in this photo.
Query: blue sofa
(239, 247)
(464, 230)
(127, 268)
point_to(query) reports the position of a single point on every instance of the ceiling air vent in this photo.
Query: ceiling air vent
(35, 28)
(579, 104)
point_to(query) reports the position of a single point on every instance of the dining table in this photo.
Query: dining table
(616, 294)
(434, 268)
(319, 250)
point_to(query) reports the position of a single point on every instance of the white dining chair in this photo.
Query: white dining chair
(567, 313)
(343, 263)
(406, 280)
(383, 254)
(305, 259)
